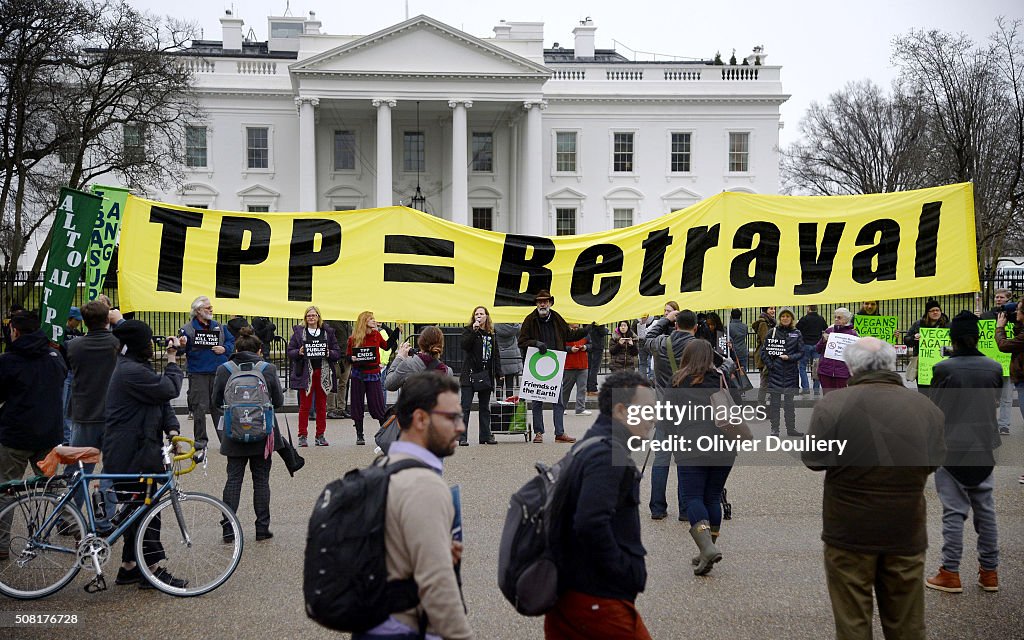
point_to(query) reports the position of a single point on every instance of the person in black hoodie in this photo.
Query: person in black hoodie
(480, 369)
(601, 556)
(781, 353)
(811, 326)
(31, 381)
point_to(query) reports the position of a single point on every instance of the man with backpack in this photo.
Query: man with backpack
(419, 547)
(207, 345)
(601, 566)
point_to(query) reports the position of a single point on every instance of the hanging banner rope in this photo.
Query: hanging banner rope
(732, 249)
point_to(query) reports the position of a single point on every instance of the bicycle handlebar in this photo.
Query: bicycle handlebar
(181, 456)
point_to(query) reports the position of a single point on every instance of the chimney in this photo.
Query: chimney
(232, 30)
(311, 27)
(585, 38)
(502, 31)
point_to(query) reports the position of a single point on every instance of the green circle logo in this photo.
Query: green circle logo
(537, 357)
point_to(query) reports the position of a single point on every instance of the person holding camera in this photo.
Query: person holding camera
(623, 349)
(1013, 312)
(1002, 297)
(480, 369)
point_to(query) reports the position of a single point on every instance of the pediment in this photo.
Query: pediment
(258, 191)
(681, 193)
(421, 46)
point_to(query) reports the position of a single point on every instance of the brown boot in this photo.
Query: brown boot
(988, 579)
(945, 581)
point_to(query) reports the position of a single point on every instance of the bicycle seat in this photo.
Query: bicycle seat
(62, 454)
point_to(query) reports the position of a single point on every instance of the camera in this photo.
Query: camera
(947, 351)
(1010, 309)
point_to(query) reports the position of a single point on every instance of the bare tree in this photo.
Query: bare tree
(859, 141)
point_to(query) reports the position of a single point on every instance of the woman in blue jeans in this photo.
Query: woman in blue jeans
(702, 474)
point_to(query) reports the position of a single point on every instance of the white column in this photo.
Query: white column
(385, 187)
(307, 152)
(460, 161)
(531, 208)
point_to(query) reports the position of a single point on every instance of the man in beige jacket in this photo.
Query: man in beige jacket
(420, 512)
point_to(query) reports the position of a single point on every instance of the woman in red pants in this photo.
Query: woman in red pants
(364, 347)
(312, 350)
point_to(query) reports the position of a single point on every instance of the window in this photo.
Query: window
(258, 208)
(622, 218)
(413, 151)
(679, 156)
(565, 221)
(344, 150)
(134, 143)
(198, 206)
(70, 142)
(285, 29)
(622, 153)
(739, 152)
(195, 147)
(257, 144)
(483, 152)
(565, 151)
(344, 208)
(483, 218)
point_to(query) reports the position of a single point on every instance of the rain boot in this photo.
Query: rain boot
(715, 531)
(709, 553)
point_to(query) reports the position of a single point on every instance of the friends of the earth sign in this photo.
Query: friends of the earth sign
(730, 250)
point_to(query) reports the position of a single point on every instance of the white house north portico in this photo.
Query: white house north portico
(499, 133)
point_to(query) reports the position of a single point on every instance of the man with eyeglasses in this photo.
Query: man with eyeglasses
(206, 346)
(421, 512)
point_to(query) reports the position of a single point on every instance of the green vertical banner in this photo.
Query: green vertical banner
(104, 236)
(929, 352)
(987, 343)
(69, 239)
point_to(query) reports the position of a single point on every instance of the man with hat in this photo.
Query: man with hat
(545, 329)
(966, 387)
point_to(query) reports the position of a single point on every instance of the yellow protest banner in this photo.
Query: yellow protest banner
(732, 249)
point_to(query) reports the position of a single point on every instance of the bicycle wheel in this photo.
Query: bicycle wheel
(39, 561)
(201, 544)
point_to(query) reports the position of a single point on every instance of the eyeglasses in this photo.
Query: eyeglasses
(454, 416)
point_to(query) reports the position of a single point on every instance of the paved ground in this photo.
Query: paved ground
(770, 584)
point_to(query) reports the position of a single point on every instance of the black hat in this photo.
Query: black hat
(931, 304)
(135, 335)
(964, 324)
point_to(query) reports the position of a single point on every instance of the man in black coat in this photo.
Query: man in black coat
(602, 567)
(31, 382)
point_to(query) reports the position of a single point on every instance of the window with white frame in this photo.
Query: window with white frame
(195, 147)
(565, 151)
(482, 150)
(257, 147)
(344, 150)
(258, 208)
(622, 218)
(739, 152)
(679, 154)
(483, 218)
(565, 221)
(413, 152)
(622, 152)
(134, 143)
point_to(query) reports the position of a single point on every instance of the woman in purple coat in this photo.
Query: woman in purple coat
(312, 350)
(833, 374)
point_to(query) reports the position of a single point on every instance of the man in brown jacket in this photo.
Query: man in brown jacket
(1015, 347)
(420, 540)
(874, 508)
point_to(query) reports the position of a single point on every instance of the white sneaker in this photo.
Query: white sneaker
(585, 412)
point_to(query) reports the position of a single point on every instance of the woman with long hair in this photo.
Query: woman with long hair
(255, 454)
(623, 348)
(702, 475)
(312, 374)
(480, 370)
(834, 374)
(364, 347)
(933, 318)
(429, 349)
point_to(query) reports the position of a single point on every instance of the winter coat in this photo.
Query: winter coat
(738, 335)
(203, 359)
(139, 414)
(31, 382)
(229, 447)
(507, 335)
(761, 326)
(531, 334)
(656, 344)
(622, 357)
(1015, 347)
(912, 342)
(783, 374)
(298, 378)
(966, 386)
(474, 342)
(577, 360)
(410, 365)
(811, 326)
(92, 359)
(700, 395)
(828, 366)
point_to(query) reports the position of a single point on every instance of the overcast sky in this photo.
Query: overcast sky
(820, 44)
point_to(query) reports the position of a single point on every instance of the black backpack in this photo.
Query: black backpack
(345, 574)
(528, 555)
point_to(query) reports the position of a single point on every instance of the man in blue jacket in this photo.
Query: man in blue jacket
(602, 567)
(207, 346)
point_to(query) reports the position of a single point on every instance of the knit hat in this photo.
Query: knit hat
(135, 335)
(788, 310)
(931, 304)
(964, 324)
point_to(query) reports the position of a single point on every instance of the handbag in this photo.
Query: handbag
(735, 428)
(911, 372)
(742, 379)
(481, 381)
(388, 433)
(292, 460)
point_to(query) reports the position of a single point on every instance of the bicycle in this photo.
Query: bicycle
(47, 542)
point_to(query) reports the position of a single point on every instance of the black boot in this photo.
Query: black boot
(359, 435)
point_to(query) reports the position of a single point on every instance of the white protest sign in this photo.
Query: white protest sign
(837, 343)
(542, 375)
